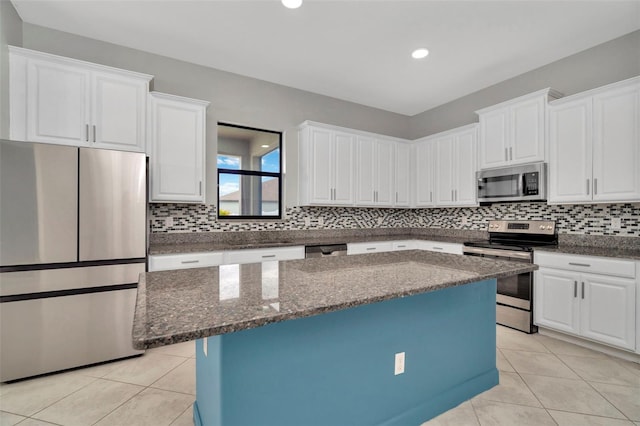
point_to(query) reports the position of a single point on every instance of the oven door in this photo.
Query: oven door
(515, 290)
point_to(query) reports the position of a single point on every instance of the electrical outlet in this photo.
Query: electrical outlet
(464, 221)
(307, 221)
(380, 220)
(399, 364)
(168, 222)
(616, 223)
(320, 221)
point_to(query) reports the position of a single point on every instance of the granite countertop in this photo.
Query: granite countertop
(182, 305)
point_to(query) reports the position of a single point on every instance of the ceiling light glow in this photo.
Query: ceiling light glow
(264, 146)
(419, 53)
(292, 4)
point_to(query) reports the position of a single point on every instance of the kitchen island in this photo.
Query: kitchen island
(314, 342)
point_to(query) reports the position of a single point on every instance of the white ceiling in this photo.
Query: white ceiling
(353, 50)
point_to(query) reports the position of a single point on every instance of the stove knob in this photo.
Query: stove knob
(541, 226)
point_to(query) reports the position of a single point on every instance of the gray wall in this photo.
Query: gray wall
(609, 62)
(10, 34)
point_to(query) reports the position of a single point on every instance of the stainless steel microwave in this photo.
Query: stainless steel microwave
(527, 182)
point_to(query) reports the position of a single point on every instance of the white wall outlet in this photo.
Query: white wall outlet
(399, 365)
(168, 221)
(464, 221)
(616, 223)
(307, 221)
(320, 221)
(380, 220)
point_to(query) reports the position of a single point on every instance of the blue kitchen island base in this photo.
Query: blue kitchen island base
(338, 368)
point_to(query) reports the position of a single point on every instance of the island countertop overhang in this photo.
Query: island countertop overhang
(188, 304)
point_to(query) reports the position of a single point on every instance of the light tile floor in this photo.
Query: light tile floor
(543, 381)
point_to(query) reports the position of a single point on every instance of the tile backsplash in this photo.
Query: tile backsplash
(590, 219)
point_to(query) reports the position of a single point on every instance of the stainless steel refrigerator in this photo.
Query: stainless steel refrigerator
(72, 244)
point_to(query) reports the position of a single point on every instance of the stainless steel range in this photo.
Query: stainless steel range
(514, 240)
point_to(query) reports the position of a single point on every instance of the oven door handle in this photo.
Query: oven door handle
(497, 253)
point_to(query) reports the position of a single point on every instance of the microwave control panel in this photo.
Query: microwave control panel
(530, 184)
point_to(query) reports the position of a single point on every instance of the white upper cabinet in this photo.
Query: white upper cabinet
(594, 145)
(65, 101)
(425, 166)
(454, 160)
(375, 177)
(326, 166)
(403, 175)
(513, 132)
(177, 136)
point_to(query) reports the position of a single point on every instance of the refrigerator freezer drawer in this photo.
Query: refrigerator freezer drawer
(112, 205)
(51, 280)
(39, 198)
(45, 335)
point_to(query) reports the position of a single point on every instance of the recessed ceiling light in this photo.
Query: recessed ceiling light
(292, 4)
(419, 53)
(264, 146)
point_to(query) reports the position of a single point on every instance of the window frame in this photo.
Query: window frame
(242, 172)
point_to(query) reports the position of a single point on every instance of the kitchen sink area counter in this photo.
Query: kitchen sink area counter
(181, 305)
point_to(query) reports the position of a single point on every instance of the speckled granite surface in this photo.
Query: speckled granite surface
(181, 305)
(592, 245)
(163, 243)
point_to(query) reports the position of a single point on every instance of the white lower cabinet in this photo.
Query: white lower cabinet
(369, 247)
(592, 305)
(263, 254)
(451, 248)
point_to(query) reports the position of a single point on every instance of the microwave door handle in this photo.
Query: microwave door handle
(521, 185)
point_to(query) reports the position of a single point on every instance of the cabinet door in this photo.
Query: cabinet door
(343, 168)
(366, 166)
(556, 302)
(493, 138)
(118, 112)
(403, 175)
(616, 145)
(425, 172)
(177, 154)
(445, 182)
(385, 194)
(465, 169)
(58, 99)
(608, 310)
(321, 165)
(526, 131)
(570, 152)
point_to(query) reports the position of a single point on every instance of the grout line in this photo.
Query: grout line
(67, 395)
(124, 402)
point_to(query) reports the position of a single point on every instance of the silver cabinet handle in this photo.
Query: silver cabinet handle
(86, 132)
(586, 265)
(200, 189)
(506, 154)
(575, 289)
(587, 186)
(583, 289)
(595, 186)
(396, 197)
(511, 153)
(189, 261)
(430, 196)
(452, 195)
(370, 248)
(401, 246)
(266, 256)
(94, 132)
(455, 193)
(438, 248)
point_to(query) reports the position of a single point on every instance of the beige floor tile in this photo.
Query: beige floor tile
(30, 396)
(89, 404)
(565, 348)
(564, 418)
(491, 413)
(603, 370)
(103, 369)
(538, 363)
(185, 419)
(144, 370)
(180, 379)
(152, 407)
(518, 341)
(633, 366)
(624, 398)
(512, 390)
(570, 395)
(186, 349)
(462, 415)
(8, 419)
(502, 364)
(35, 422)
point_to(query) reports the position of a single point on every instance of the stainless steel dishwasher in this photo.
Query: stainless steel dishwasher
(325, 250)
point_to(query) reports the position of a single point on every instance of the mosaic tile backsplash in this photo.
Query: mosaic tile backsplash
(590, 219)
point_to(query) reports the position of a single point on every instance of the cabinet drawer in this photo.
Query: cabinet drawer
(263, 255)
(588, 264)
(452, 248)
(404, 245)
(163, 262)
(373, 247)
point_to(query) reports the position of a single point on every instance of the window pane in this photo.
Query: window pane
(271, 161)
(229, 162)
(245, 149)
(244, 195)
